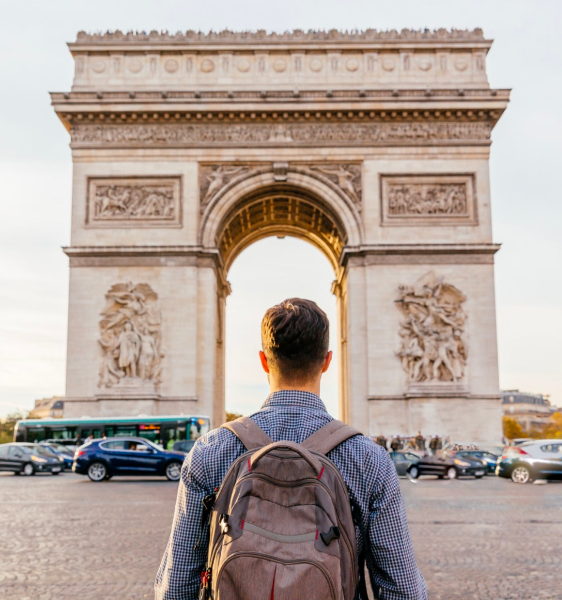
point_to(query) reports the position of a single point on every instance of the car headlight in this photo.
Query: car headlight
(38, 459)
(61, 459)
(461, 463)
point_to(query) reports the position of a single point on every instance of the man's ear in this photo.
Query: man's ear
(263, 360)
(327, 361)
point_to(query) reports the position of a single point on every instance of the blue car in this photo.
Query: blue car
(489, 459)
(102, 459)
(59, 450)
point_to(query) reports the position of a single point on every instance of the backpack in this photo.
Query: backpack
(281, 525)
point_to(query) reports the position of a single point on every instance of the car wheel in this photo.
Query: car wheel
(97, 471)
(414, 472)
(173, 471)
(521, 474)
(28, 470)
(452, 473)
(55, 472)
(479, 476)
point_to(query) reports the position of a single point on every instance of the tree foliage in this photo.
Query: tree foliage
(232, 416)
(511, 429)
(8, 424)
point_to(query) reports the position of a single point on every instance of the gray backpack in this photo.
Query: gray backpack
(281, 525)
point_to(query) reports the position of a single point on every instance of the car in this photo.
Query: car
(59, 450)
(489, 459)
(103, 458)
(184, 446)
(449, 467)
(530, 461)
(28, 459)
(402, 461)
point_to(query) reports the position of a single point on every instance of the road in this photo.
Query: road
(65, 538)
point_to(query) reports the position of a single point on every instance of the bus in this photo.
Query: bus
(160, 430)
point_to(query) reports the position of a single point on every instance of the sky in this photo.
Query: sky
(35, 181)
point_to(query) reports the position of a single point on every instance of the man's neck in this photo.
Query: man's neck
(313, 387)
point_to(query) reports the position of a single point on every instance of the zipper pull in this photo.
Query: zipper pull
(223, 523)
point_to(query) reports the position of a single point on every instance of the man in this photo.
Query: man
(419, 441)
(396, 443)
(381, 441)
(295, 354)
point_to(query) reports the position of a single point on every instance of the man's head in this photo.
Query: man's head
(295, 338)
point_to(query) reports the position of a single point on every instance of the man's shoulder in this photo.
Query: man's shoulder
(215, 440)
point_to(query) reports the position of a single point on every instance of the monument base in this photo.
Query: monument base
(463, 418)
(108, 406)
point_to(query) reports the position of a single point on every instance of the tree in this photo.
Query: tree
(8, 424)
(553, 428)
(511, 429)
(232, 416)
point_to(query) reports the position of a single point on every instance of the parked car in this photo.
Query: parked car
(489, 459)
(184, 446)
(59, 450)
(28, 459)
(538, 459)
(449, 467)
(102, 459)
(402, 461)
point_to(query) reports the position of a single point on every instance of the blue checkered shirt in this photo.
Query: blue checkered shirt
(368, 473)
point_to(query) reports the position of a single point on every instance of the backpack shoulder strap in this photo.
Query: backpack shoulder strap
(328, 437)
(249, 433)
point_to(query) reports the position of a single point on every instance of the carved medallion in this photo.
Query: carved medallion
(432, 348)
(134, 202)
(130, 337)
(428, 199)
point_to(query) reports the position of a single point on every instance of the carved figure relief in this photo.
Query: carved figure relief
(347, 177)
(214, 178)
(432, 348)
(270, 133)
(130, 336)
(429, 199)
(133, 202)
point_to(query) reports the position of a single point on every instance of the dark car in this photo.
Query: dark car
(184, 446)
(489, 459)
(402, 461)
(538, 459)
(59, 450)
(102, 459)
(28, 459)
(449, 467)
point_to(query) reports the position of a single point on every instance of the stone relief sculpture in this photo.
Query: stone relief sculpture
(130, 336)
(346, 177)
(432, 347)
(215, 178)
(149, 200)
(427, 199)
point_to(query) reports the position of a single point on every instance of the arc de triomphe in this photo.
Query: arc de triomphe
(373, 146)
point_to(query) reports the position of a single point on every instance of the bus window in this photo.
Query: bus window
(150, 432)
(35, 434)
(63, 433)
(109, 431)
(173, 434)
(96, 433)
(125, 431)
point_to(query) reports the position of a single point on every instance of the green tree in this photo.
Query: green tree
(232, 416)
(8, 424)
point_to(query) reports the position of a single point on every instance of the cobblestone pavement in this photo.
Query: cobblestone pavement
(65, 538)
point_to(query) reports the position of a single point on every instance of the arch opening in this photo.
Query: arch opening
(280, 211)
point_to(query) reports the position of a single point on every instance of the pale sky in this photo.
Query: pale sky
(35, 181)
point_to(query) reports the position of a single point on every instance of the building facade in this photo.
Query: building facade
(373, 146)
(530, 411)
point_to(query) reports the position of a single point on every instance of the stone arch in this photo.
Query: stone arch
(257, 205)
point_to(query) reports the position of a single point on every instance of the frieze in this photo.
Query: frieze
(269, 134)
(133, 202)
(428, 199)
(297, 35)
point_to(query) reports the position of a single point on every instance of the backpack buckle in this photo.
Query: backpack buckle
(332, 534)
(223, 523)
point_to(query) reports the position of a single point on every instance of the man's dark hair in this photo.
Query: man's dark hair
(295, 338)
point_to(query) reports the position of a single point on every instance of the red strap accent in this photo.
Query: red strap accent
(204, 578)
(317, 534)
(273, 584)
(249, 465)
(321, 471)
(242, 524)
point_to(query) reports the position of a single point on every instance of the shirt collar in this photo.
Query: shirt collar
(294, 398)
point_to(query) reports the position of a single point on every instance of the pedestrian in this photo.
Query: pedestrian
(395, 443)
(248, 540)
(434, 444)
(381, 441)
(419, 442)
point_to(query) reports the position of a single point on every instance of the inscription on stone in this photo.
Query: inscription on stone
(429, 199)
(149, 202)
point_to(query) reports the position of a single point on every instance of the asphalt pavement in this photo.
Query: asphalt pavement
(66, 538)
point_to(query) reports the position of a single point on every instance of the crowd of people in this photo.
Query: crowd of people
(417, 443)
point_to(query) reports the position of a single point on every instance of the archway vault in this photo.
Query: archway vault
(258, 205)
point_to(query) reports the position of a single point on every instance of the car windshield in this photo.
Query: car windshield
(41, 450)
(59, 448)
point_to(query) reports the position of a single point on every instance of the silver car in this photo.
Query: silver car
(538, 459)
